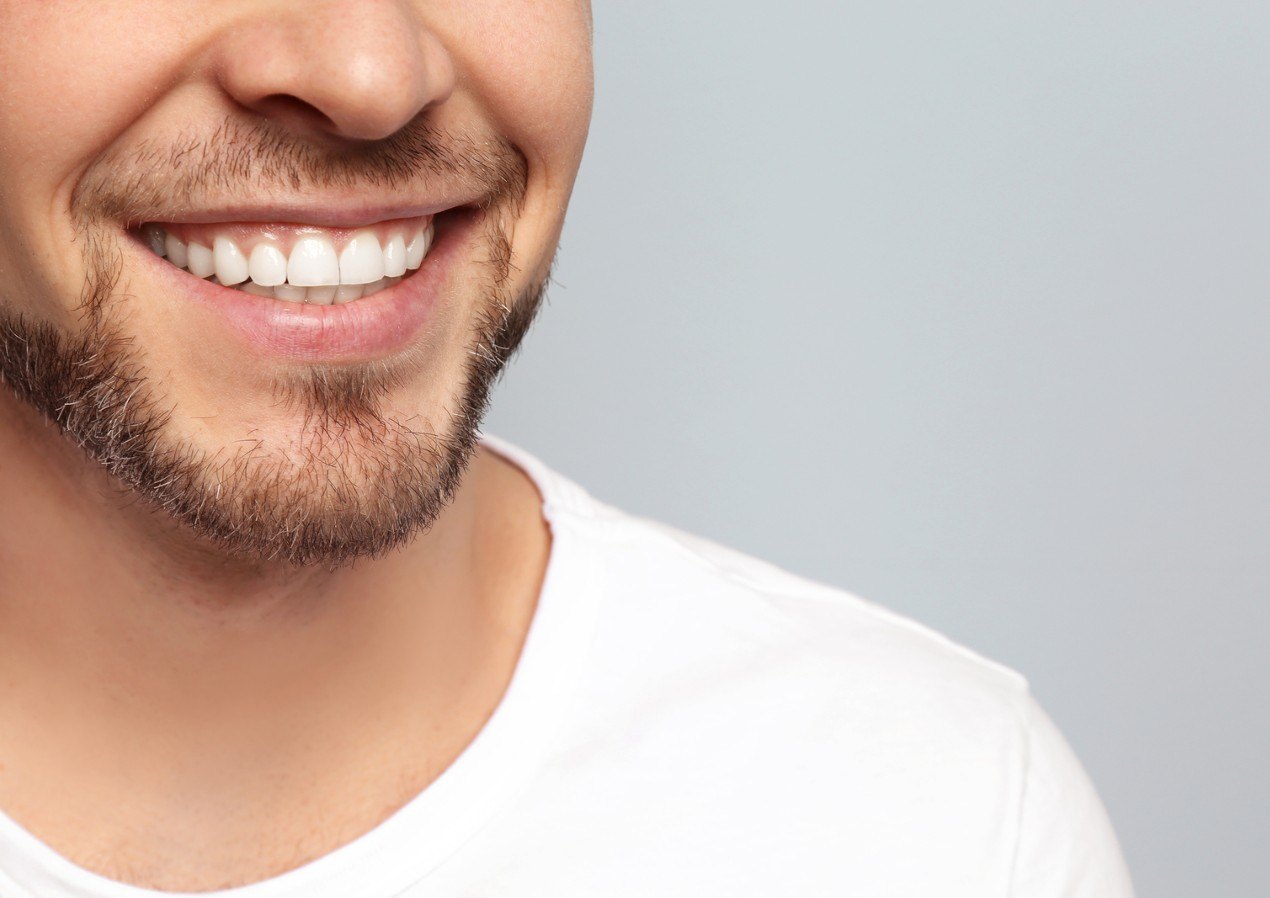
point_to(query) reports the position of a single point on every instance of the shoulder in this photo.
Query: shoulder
(847, 650)
(693, 634)
(854, 725)
(756, 713)
(700, 603)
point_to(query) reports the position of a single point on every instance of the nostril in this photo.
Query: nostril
(290, 108)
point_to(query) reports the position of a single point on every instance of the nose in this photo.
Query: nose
(352, 69)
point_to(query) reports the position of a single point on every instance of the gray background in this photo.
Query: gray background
(963, 307)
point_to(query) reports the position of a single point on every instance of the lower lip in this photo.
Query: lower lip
(375, 326)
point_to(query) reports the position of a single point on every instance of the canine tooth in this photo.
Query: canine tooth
(395, 257)
(362, 260)
(417, 249)
(154, 236)
(231, 264)
(175, 251)
(348, 293)
(290, 292)
(200, 261)
(313, 263)
(322, 295)
(268, 266)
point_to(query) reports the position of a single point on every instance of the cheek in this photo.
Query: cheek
(80, 75)
(528, 63)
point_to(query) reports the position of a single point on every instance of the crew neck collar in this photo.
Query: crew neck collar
(404, 848)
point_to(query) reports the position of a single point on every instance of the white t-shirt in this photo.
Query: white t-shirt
(687, 721)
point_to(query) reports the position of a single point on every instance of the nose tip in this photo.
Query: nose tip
(354, 69)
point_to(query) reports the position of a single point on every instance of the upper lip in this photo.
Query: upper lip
(318, 211)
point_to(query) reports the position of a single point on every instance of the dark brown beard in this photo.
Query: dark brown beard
(363, 482)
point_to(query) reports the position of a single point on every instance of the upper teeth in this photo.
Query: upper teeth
(313, 270)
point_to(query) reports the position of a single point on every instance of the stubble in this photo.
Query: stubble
(359, 481)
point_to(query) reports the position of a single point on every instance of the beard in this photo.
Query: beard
(356, 481)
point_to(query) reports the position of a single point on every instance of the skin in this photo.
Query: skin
(174, 714)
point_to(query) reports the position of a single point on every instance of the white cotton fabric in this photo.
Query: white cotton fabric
(688, 721)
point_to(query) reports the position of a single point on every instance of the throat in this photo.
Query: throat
(186, 748)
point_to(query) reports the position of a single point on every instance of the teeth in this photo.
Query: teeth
(175, 251)
(156, 239)
(313, 263)
(314, 272)
(362, 261)
(324, 295)
(395, 257)
(231, 264)
(201, 263)
(418, 248)
(256, 289)
(347, 293)
(268, 266)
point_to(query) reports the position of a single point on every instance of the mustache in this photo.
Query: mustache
(160, 179)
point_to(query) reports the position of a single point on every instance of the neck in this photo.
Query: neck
(135, 659)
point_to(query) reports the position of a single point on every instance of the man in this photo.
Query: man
(275, 618)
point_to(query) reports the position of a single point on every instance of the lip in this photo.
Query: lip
(325, 215)
(364, 329)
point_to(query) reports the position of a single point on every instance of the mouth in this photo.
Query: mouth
(308, 291)
(295, 263)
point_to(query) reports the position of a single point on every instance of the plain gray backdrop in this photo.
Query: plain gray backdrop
(963, 307)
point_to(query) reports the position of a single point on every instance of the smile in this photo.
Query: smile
(296, 263)
(310, 292)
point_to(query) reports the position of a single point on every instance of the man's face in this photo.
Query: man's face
(358, 202)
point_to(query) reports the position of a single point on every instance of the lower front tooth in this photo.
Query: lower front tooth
(322, 295)
(348, 292)
(289, 292)
(255, 289)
